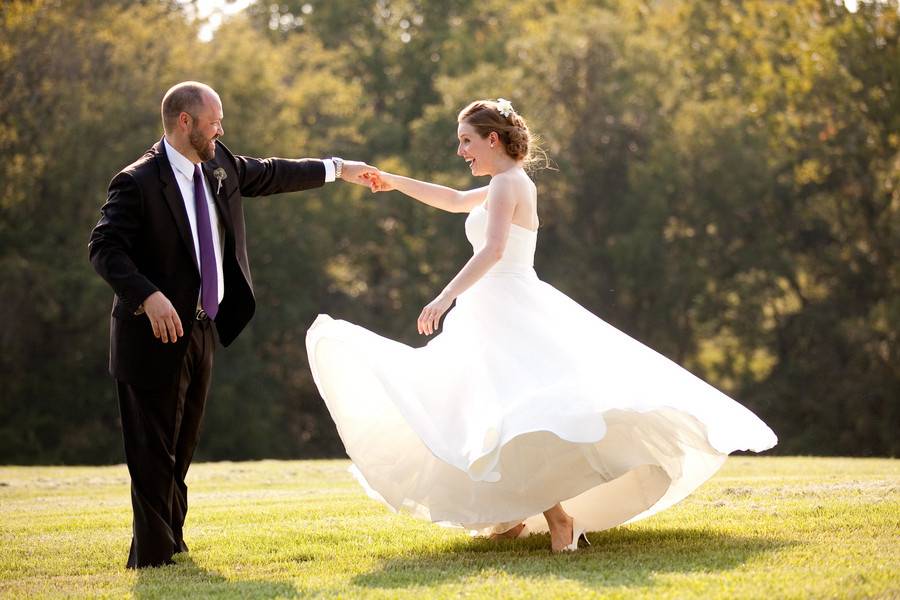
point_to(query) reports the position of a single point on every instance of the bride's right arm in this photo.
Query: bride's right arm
(432, 194)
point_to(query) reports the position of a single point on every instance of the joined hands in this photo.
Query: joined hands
(363, 174)
(378, 181)
(357, 172)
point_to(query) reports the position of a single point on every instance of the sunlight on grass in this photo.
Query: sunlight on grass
(763, 527)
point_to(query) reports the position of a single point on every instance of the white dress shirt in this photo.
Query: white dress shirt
(184, 175)
(329, 170)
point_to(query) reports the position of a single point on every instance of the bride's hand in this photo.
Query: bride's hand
(430, 317)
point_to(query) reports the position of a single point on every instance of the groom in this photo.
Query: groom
(171, 243)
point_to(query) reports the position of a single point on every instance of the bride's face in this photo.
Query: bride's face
(475, 149)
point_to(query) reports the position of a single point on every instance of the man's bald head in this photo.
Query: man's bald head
(187, 96)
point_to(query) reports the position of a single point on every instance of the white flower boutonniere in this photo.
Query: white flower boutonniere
(220, 176)
(504, 107)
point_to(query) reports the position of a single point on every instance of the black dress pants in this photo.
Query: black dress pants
(161, 427)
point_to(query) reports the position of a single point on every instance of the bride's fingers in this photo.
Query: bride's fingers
(429, 320)
(427, 316)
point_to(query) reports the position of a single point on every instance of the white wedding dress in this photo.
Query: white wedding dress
(525, 399)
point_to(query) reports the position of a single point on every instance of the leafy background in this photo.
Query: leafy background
(727, 191)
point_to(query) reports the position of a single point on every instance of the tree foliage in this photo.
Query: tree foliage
(726, 189)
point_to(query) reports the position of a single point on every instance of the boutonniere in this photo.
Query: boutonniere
(220, 176)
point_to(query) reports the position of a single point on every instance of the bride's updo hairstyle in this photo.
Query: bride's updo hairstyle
(485, 116)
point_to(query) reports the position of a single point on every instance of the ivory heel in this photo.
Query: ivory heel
(577, 535)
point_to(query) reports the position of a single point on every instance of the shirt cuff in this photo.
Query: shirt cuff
(329, 169)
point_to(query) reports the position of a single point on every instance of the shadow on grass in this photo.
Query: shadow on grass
(186, 580)
(617, 558)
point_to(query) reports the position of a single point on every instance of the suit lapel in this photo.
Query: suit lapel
(218, 194)
(172, 194)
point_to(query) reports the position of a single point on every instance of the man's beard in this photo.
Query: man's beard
(201, 145)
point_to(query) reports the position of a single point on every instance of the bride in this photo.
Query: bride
(526, 404)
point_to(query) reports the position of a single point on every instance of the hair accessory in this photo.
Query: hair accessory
(504, 107)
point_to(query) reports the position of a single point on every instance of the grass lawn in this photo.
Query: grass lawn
(764, 527)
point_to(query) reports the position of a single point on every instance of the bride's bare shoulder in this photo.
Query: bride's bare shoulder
(515, 189)
(514, 180)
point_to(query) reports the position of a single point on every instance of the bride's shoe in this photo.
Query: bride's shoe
(578, 534)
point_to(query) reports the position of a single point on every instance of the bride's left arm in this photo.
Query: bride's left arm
(501, 206)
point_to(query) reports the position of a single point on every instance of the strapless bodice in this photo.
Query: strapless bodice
(519, 253)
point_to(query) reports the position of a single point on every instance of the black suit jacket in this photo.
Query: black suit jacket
(143, 243)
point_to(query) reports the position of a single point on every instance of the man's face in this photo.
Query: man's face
(206, 128)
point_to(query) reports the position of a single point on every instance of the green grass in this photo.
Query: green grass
(764, 527)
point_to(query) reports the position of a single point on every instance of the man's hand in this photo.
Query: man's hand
(355, 172)
(163, 318)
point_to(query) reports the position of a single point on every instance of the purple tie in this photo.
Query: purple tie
(209, 282)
